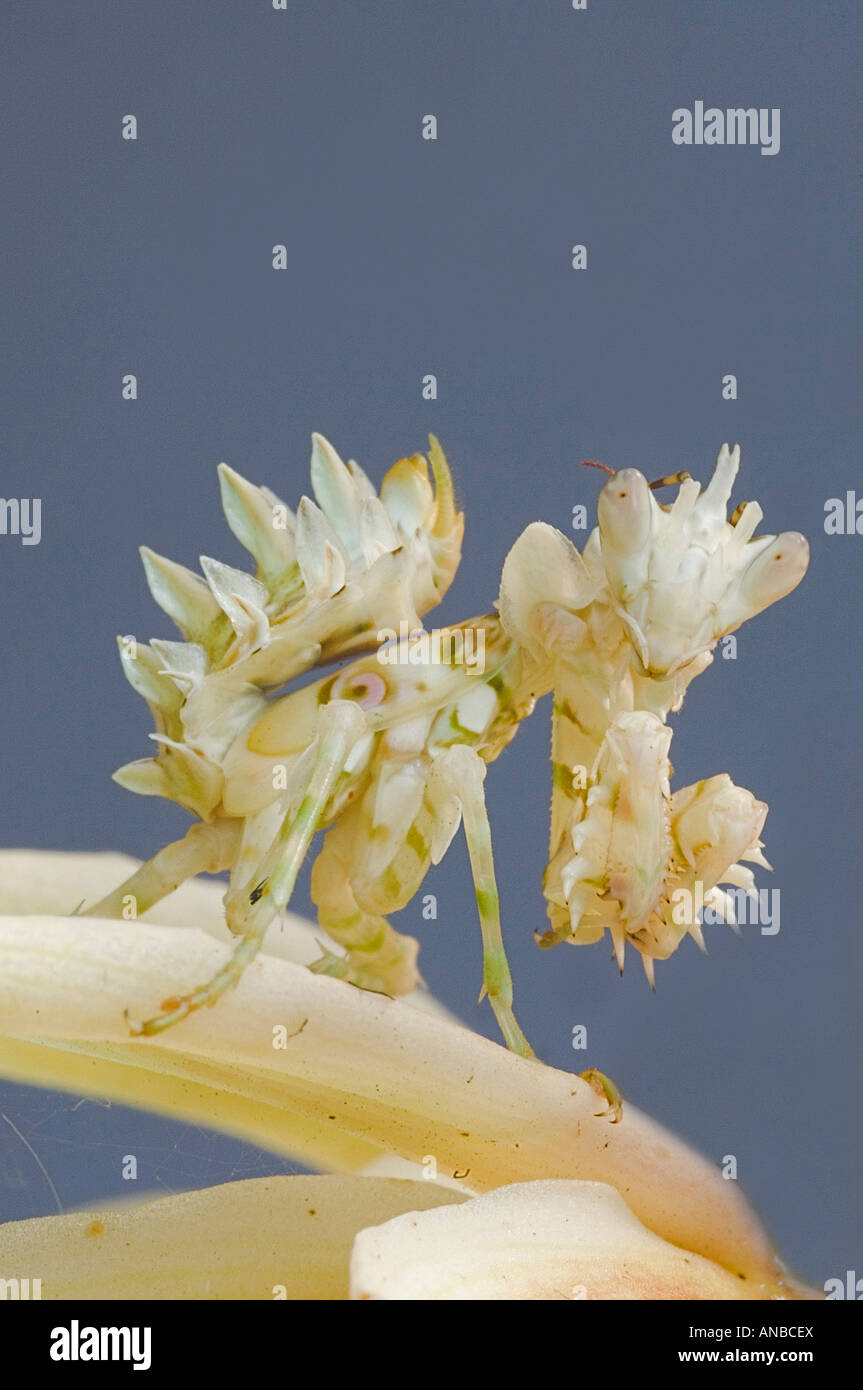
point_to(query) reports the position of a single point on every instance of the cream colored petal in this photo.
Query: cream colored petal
(268, 1238)
(364, 1069)
(183, 1087)
(534, 1240)
(391, 1166)
(56, 882)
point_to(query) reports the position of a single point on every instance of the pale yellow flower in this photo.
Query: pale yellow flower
(337, 1078)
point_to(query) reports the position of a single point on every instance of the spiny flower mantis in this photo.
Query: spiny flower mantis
(391, 757)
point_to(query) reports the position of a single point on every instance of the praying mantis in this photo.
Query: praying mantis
(387, 754)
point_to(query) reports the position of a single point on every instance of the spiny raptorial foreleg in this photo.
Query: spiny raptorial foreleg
(250, 910)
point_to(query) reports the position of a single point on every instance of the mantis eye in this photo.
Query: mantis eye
(366, 687)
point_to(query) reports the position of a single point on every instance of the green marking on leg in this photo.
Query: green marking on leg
(391, 883)
(416, 841)
(466, 780)
(487, 902)
(498, 980)
(561, 777)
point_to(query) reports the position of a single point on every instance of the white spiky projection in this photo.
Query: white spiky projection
(391, 756)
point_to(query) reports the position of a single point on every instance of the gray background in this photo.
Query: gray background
(407, 257)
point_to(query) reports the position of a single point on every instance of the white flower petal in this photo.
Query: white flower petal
(534, 1240)
(359, 1075)
(266, 1238)
(56, 883)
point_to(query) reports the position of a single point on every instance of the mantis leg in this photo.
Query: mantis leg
(462, 772)
(251, 909)
(204, 849)
(378, 957)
